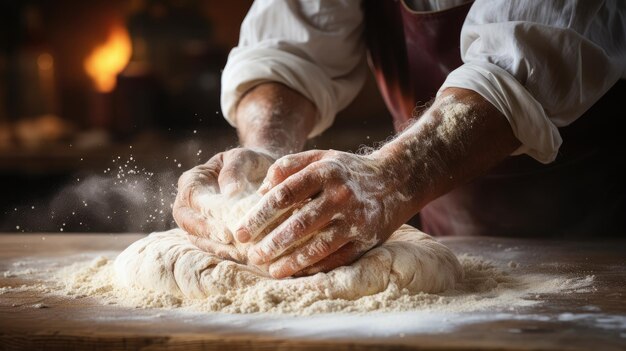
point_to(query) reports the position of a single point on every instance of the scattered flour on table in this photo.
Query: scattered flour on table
(165, 271)
(168, 262)
(171, 271)
(486, 286)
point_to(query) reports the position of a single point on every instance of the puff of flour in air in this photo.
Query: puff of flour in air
(167, 262)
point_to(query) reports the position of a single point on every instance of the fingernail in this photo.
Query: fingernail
(242, 235)
(276, 271)
(231, 188)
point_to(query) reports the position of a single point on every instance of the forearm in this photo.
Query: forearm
(275, 118)
(458, 138)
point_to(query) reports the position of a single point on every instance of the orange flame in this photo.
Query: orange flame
(109, 59)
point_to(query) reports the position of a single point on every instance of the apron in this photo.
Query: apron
(580, 194)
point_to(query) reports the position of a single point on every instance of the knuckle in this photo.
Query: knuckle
(298, 224)
(330, 169)
(283, 197)
(287, 161)
(198, 175)
(217, 156)
(275, 172)
(186, 178)
(228, 171)
(276, 243)
(185, 194)
(214, 162)
(343, 193)
(212, 173)
(320, 247)
(324, 172)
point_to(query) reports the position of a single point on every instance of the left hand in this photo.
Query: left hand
(225, 174)
(349, 204)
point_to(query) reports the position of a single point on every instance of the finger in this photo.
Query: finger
(201, 185)
(193, 213)
(242, 166)
(346, 255)
(279, 200)
(228, 252)
(197, 183)
(204, 176)
(231, 173)
(296, 228)
(201, 226)
(315, 250)
(286, 166)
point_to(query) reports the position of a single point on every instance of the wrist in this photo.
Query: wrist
(419, 160)
(275, 118)
(459, 137)
(400, 177)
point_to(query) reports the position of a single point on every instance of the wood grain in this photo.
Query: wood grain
(77, 324)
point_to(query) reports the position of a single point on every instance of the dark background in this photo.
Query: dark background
(76, 156)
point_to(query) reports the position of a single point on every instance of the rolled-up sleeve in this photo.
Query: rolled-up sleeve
(542, 63)
(313, 47)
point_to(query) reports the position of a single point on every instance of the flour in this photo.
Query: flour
(453, 114)
(168, 263)
(409, 271)
(96, 278)
(16, 273)
(486, 286)
(229, 210)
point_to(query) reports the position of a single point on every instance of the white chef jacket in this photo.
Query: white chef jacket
(542, 64)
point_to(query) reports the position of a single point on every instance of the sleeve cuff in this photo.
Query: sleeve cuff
(540, 138)
(247, 68)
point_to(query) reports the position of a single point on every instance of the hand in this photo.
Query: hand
(349, 204)
(227, 173)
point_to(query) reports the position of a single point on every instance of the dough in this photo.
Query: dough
(167, 262)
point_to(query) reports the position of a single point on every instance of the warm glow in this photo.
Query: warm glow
(45, 62)
(109, 59)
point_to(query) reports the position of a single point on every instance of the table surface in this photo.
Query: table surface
(593, 319)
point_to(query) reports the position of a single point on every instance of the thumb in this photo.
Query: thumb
(229, 178)
(286, 166)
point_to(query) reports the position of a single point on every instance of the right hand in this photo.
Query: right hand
(227, 173)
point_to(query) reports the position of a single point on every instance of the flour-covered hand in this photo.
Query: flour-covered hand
(226, 173)
(345, 205)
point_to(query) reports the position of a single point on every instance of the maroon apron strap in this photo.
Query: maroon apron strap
(411, 53)
(582, 193)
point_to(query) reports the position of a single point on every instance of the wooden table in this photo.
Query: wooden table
(592, 320)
